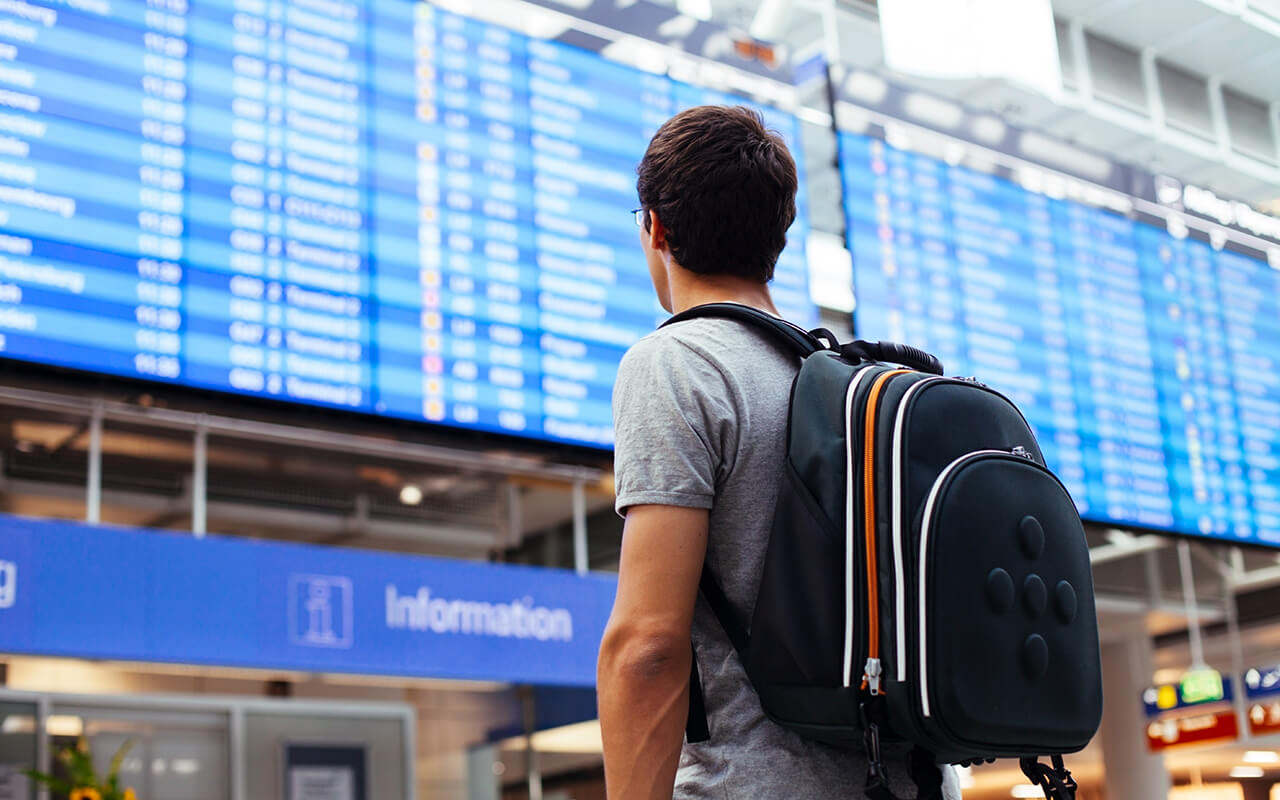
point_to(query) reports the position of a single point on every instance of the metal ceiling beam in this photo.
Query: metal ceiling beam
(459, 537)
(308, 438)
(1125, 546)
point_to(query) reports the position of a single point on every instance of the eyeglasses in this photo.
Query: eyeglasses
(640, 215)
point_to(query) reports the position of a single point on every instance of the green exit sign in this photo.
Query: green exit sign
(1201, 686)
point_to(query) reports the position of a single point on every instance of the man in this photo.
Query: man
(700, 411)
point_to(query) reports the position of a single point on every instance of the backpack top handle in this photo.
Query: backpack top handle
(804, 343)
(895, 353)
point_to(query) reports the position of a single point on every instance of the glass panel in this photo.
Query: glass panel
(173, 755)
(17, 749)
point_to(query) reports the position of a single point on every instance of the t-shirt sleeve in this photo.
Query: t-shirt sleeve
(673, 426)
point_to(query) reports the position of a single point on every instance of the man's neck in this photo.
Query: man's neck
(697, 290)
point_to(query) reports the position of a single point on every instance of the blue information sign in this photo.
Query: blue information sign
(1262, 682)
(74, 590)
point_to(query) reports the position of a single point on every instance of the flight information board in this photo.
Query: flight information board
(378, 206)
(1146, 362)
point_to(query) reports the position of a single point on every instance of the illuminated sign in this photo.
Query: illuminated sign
(1262, 681)
(1197, 688)
(1232, 213)
(1195, 728)
(1201, 686)
(1264, 718)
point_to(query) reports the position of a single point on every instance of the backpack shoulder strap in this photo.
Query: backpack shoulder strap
(796, 339)
(805, 343)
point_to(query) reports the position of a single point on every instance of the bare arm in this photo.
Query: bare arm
(643, 673)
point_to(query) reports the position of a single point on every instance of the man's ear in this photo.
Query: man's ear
(657, 232)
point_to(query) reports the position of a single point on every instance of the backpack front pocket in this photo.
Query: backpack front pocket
(1004, 601)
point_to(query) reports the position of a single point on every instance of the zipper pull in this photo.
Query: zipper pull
(1022, 452)
(871, 676)
(971, 379)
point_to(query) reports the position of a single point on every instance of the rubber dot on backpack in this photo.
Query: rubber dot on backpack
(999, 590)
(1034, 596)
(1035, 656)
(1064, 602)
(1031, 537)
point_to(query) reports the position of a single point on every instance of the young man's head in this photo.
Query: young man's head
(718, 192)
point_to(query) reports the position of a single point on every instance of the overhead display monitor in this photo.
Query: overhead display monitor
(1143, 352)
(378, 206)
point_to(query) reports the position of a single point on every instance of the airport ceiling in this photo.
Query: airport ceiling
(1234, 44)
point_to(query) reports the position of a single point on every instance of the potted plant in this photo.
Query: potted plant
(83, 782)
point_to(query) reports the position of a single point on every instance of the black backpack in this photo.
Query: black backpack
(927, 578)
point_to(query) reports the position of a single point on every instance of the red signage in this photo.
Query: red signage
(1206, 726)
(1264, 717)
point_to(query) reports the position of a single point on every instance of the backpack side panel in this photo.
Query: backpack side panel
(798, 626)
(804, 560)
(815, 430)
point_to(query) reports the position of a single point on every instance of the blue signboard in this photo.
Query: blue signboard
(1174, 696)
(1262, 682)
(74, 590)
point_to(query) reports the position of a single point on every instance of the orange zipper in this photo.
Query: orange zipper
(869, 501)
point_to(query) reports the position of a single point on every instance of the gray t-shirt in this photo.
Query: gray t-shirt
(700, 413)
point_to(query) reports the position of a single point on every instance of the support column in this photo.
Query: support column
(529, 712)
(93, 487)
(1131, 771)
(200, 482)
(580, 560)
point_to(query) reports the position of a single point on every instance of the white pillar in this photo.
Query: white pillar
(1132, 772)
(93, 483)
(581, 561)
(200, 482)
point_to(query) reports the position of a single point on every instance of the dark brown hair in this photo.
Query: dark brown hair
(724, 187)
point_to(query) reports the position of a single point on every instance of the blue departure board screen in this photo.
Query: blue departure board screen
(1146, 362)
(378, 206)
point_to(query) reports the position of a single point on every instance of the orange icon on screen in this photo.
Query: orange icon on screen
(427, 151)
(429, 213)
(433, 410)
(432, 321)
(426, 72)
(432, 365)
(431, 343)
(426, 54)
(429, 278)
(426, 112)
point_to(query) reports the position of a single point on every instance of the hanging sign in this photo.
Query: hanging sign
(105, 592)
(1211, 725)
(1197, 688)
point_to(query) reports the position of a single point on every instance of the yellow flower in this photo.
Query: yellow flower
(129, 795)
(85, 793)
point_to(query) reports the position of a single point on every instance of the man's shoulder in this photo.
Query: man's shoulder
(720, 343)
